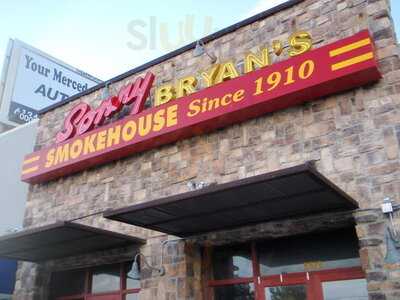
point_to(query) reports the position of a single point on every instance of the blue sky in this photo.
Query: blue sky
(106, 38)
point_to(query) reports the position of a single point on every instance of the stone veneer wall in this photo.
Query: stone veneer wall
(383, 275)
(353, 136)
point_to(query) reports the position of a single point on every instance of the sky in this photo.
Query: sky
(107, 38)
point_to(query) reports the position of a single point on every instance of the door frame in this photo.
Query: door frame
(280, 280)
(312, 280)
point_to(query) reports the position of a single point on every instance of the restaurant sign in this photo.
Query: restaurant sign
(85, 142)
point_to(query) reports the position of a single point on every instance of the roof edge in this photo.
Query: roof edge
(206, 39)
(42, 228)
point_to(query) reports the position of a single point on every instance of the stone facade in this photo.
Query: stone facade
(383, 275)
(352, 136)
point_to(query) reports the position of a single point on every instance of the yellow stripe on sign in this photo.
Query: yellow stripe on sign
(30, 170)
(31, 160)
(352, 61)
(350, 47)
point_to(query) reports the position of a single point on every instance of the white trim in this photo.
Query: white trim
(20, 126)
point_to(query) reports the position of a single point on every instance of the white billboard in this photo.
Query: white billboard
(33, 80)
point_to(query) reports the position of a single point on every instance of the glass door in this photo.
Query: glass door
(319, 266)
(286, 292)
(284, 287)
(339, 284)
(353, 289)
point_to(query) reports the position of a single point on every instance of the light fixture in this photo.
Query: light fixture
(392, 248)
(391, 234)
(193, 185)
(106, 93)
(388, 208)
(200, 50)
(134, 272)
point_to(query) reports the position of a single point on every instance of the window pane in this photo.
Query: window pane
(329, 250)
(106, 279)
(243, 291)
(289, 292)
(132, 297)
(355, 289)
(67, 283)
(232, 262)
(131, 283)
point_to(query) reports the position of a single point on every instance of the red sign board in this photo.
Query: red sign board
(336, 67)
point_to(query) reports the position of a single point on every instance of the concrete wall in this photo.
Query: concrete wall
(14, 145)
(353, 136)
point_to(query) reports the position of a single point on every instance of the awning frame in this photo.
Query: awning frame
(348, 204)
(12, 240)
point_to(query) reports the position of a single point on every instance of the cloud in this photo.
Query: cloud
(263, 5)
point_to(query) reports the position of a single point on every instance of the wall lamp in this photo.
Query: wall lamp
(134, 273)
(106, 92)
(391, 234)
(200, 49)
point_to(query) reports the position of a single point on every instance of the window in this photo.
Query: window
(241, 291)
(232, 271)
(326, 250)
(286, 292)
(106, 279)
(95, 283)
(232, 262)
(76, 283)
(345, 289)
(288, 268)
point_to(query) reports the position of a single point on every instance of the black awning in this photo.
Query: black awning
(61, 239)
(295, 191)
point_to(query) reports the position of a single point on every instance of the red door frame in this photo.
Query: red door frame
(281, 280)
(313, 279)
